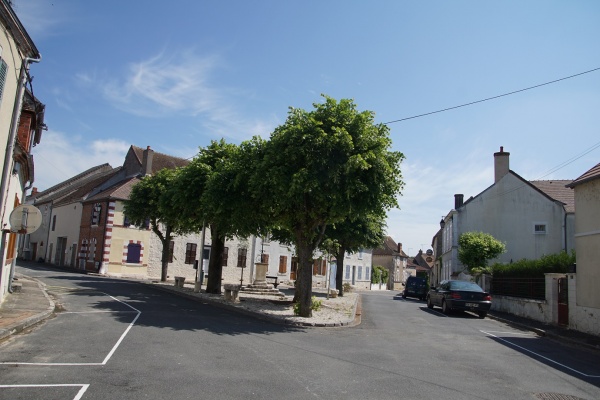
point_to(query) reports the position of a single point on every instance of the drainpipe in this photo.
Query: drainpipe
(10, 148)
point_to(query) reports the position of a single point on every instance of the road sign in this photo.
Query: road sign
(25, 219)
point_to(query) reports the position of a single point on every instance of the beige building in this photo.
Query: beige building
(586, 317)
(21, 124)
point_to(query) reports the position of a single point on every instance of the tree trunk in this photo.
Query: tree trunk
(339, 273)
(304, 286)
(165, 254)
(215, 265)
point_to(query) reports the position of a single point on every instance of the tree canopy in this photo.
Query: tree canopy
(475, 249)
(322, 167)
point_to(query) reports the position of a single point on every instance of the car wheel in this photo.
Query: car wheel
(445, 308)
(429, 303)
(482, 314)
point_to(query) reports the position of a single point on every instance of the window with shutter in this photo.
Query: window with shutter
(3, 73)
(190, 253)
(242, 257)
(133, 253)
(282, 264)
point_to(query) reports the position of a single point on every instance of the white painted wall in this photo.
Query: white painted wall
(68, 220)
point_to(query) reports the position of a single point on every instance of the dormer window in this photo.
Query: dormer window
(96, 213)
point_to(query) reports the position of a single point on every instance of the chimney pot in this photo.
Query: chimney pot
(501, 164)
(458, 201)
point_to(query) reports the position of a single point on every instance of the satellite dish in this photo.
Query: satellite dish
(25, 219)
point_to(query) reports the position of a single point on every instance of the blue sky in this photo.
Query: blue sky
(175, 75)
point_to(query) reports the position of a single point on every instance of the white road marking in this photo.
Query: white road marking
(110, 353)
(78, 396)
(541, 356)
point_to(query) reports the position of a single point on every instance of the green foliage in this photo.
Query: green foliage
(553, 263)
(476, 248)
(380, 274)
(321, 168)
(347, 287)
(316, 305)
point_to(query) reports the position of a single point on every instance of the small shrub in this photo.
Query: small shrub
(315, 305)
(347, 287)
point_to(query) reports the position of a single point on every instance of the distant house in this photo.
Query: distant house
(35, 245)
(21, 126)
(436, 270)
(391, 256)
(533, 218)
(424, 263)
(586, 317)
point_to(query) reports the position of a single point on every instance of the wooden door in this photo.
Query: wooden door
(563, 301)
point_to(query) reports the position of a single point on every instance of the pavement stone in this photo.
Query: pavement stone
(32, 304)
(24, 308)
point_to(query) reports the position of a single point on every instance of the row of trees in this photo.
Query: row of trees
(324, 180)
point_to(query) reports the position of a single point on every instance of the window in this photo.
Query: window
(360, 254)
(242, 252)
(53, 222)
(225, 256)
(264, 258)
(126, 222)
(368, 273)
(282, 264)
(190, 253)
(347, 272)
(3, 71)
(96, 213)
(360, 272)
(134, 250)
(539, 228)
(319, 267)
(171, 250)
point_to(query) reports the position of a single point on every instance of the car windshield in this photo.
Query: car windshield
(463, 285)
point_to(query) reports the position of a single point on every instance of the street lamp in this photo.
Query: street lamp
(442, 223)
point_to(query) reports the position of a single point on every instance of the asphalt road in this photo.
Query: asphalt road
(122, 340)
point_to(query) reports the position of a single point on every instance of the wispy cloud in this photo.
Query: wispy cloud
(183, 84)
(59, 157)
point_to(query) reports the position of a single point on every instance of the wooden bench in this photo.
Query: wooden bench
(273, 280)
(179, 280)
(232, 291)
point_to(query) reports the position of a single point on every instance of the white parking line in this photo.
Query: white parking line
(110, 353)
(540, 356)
(84, 387)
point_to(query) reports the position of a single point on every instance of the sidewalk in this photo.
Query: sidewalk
(32, 304)
(25, 307)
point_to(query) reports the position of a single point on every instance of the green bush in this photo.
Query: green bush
(553, 263)
(315, 305)
(379, 275)
(347, 287)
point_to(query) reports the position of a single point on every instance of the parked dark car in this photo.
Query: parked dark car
(415, 287)
(460, 295)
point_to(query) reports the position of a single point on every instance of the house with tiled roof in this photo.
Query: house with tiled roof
(584, 315)
(21, 126)
(391, 256)
(35, 245)
(532, 218)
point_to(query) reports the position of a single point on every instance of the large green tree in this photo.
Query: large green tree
(320, 168)
(213, 191)
(475, 249)
(150, 201)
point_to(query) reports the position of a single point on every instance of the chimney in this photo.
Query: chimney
(458, 201)
(34, 191)
(147, 161)
(400, 248)
(501, 164)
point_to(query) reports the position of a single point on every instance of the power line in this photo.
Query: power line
(492, 98)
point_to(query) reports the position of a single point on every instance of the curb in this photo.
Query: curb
(34, 319)
(281, 321)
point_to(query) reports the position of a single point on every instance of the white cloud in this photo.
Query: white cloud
(59, 157)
